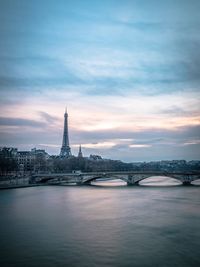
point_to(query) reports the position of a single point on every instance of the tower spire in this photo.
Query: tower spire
(80, 154)
(65, 149)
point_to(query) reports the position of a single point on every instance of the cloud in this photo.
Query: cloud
(150, 144)
(126, 69)
(178, 111)
(5, 121)
(191, 142)
(49, 145)
(149, 137)
(47, 117)
(100, 145)
(35, 71)
(190, 58)
(139, 145)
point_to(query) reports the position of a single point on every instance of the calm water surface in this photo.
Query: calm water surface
(101, 225)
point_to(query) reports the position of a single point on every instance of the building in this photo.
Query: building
(25, 160)
(95, 157)
(8, 152)
(34, 160)
(8, 162)
(65, 149)
(80, 154)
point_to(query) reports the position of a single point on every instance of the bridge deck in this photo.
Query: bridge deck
(104, 173)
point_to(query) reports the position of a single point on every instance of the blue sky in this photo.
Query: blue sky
(128, 71)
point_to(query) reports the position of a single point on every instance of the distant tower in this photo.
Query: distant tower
(80, 154)
(65, 149)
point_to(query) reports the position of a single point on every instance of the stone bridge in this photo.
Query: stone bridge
(130, 177)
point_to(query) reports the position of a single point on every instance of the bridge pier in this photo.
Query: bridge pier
(86, 183)
(131, 183)
(83, 183)
(187, 179)
(186, 183)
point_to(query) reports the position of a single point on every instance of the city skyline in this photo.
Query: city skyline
(128, 72)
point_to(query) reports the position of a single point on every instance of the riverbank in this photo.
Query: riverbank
(6, 186)
(14, 186)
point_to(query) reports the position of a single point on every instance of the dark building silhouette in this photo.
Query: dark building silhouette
(80, 154)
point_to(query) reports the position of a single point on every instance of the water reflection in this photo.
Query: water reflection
(109, 182)
(160, 181)
(197, 182)
(151, 181)
(115, 225)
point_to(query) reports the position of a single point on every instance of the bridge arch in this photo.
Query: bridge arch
(109, 177)
(131, 178)
(197, 180)
(159, 178)
(182, 178)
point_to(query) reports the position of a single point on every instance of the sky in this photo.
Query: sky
(127, 70)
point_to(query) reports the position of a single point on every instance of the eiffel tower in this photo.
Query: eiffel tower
(65, 149)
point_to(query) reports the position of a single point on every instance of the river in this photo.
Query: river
(106, 224)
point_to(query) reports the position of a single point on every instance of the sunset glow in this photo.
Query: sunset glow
(123, 70)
